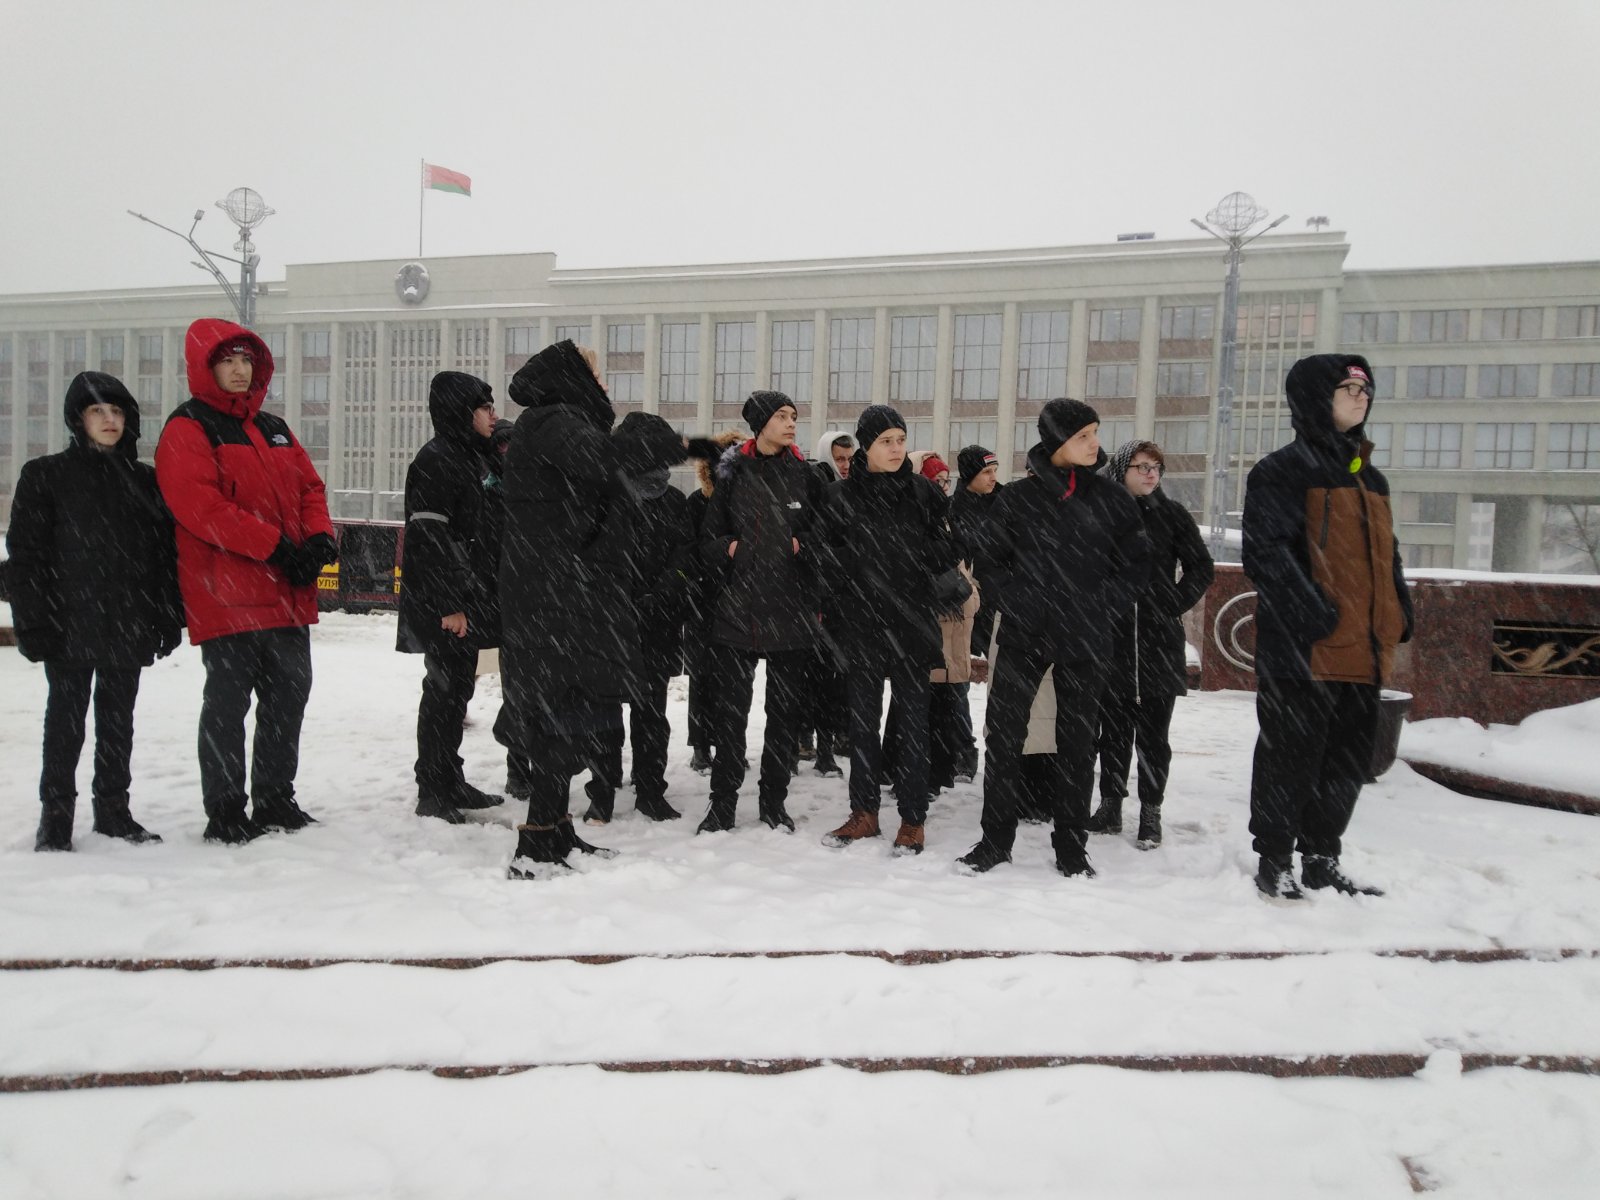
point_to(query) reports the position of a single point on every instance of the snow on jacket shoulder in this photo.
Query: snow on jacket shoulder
(237, 481)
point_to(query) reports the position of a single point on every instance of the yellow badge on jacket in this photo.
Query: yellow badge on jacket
(1355, 465)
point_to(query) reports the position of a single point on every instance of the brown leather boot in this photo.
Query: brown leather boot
(860, 825)
(908, 840)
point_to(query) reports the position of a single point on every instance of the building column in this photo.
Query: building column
(19, 408)
(762, 377)
(383, 414)
(291, 377)
(1078, 349)
(1144, 402)
(708, 371)
(652, 363)
(447, 345)
(880, 356)
(497, 363)
(336, 417)
(1518, 530)
(820, 330)
(943, 375)
(1461, 552)
(56, 395)
(1327, 321)
(597, 336)
(1006, 415)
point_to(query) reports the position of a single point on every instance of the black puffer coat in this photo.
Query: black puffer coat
(1149, 652)
(769, 594)
(439, 570)
(886, 541)
(969, 512)
(1066, 559)
(93, 564)
(569, 633)
(663, 565)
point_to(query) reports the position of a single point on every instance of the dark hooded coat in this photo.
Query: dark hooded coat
(440, 569)
(1319, 545)
(93, 565)
(663, 566)
(570, 636)
(968, 514)
(1149, 649)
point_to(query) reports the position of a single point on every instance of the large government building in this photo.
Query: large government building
(1487, 418)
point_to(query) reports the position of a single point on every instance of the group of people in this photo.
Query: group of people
(559, 541)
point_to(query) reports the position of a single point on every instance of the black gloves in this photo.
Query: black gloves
(704, 449)
(168, 640)
(321, 547)
(282, 556)
(302, 564)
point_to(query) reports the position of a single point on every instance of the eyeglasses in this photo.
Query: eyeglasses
(1145, 468)
(1356, 389)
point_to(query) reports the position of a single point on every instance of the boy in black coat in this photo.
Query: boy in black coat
(1067, 558)
(94, 584)
(447, 611)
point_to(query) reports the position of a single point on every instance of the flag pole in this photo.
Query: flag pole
(422, 192)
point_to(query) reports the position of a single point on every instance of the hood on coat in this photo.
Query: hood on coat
(703, 470)
(202, 340)
(746, 451)
(96, 387)
(825, 448)
(1309, 389)
(1116, 467)
(453, 397)
(558, 374)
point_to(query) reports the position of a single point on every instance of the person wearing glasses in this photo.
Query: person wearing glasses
(1148, 661)
(1331, 606)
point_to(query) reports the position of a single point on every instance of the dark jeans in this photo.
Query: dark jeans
(1312, 756)
(1124, 724)
(605, 768)
(1014, 682)
(115, 691)
(786, 690)
(448, 681)
(908, 689)
(274, 665)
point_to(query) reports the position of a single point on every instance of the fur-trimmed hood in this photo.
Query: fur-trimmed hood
(703, 469)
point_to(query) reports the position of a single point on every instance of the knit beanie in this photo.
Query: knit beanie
(761, 407)
(971, 462)
(874, 419)
(230, 347)
(1060, 419)
(933, 465)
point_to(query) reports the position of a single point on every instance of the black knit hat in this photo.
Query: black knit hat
(874, 419)
(761, 407)
(972, 460)
(1060, 419)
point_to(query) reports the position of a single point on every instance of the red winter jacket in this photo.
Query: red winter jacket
(236, 480)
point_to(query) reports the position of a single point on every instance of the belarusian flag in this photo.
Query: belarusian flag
(444, 180)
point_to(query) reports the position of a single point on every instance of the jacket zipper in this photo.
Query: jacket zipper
(1327, 509)
(1372, 604)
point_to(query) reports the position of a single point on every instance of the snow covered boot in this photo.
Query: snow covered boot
(280, 813)
(908, 840)
(774, 815)
(468, 796)
(862, 824)
(571, 841)
(982, 858)
(1319, 871)
(808, 746)
(541, 853)
(1275, 879)
(826, 765)
(967, 765)
(1108, 817)
(55, 824)
(655, 808)
(700, 761)
(1149, 826)
(1072, 855)
(112, 819)
(438, 806)
(719, 817)
(232, 829)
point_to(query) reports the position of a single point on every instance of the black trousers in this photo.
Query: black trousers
(908, 690)
(1126, 723)
(275, 666)
(650, 732)
(700, 709)
(1014, 682)
(551, 763)
(735, 671)
(448, 682)
(65, 710)
(829, 700)
(1312, 756)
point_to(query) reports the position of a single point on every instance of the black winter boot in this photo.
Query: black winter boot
(808, 746)
(112, 819)
(700, 761)
(656, 809)
(232, 830)
(282, 813)
(1318, 871)
(718, 818)
(571, 841)
(468, 796)
(775, 816)
(438, 806)
(826, 765)
(55, 824)
(1108, 817)
(1149, 826)
(967, 765)
(1072, 856)
(983, 857)
(1275, 879)
(541, 853)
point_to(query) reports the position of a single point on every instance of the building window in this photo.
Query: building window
(1187, 490)
(1512, 324)
(1575, 379)
(976, 358)
(1188, 322)
(111, 354)
(1042, 355)
(973, 433)
(1182, 437)
(1289, 320)
(313, 427)
(577, 334)
(1115, 432)
(680, 362)
(1577, 320)
(1112, 380)
(1382, 438)
(1115, 324)
(1183, 379)
(1504, 445)
(850, 345)
(625, 362)
(1426, 556)
(522, 341)
(74, 355)
(919, 435)
(735, 373)
(1436, 383)
(1432, 445)
(1507, 382)
(1436, 508)
(1574, 447)
(1369, 327)
(1439, 325)
(793, 350)
(912, 351)
(1383, 381)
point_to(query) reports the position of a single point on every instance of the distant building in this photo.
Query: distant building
(1487, 419)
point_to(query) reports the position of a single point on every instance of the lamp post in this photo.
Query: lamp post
(1229, 222)
(245, 209)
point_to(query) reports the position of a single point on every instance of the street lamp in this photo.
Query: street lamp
(245, 209)
(1229, 222)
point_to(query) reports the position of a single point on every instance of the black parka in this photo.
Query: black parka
(969, 512)
(440, 569)
(663, 564)
(93, 564)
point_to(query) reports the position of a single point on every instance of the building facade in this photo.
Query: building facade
(1487, 418)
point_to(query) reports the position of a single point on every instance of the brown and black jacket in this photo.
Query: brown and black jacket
(1331, 601)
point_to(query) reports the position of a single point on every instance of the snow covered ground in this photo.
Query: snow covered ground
(1101, 971)
(1539, 751)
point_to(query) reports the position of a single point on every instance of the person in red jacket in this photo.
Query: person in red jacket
(253, 535)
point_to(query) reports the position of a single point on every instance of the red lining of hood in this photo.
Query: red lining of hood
(204, 336)
(748, 449)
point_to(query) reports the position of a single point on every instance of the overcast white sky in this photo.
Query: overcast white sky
(1434, 132)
